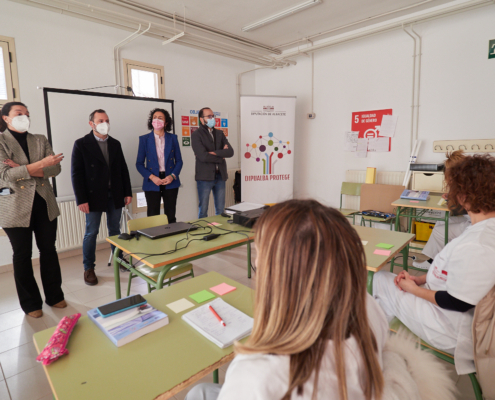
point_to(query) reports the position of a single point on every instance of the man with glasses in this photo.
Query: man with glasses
(211, 148)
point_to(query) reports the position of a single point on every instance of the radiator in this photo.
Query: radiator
(229, 193)
(382, 177)
(71, 227)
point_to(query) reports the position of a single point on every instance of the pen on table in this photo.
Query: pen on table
(216, 315)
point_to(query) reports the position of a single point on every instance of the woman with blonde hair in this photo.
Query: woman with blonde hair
(317, 334)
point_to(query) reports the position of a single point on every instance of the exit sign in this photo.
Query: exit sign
(491, 49)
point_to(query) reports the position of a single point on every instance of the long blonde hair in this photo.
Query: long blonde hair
(311, 288)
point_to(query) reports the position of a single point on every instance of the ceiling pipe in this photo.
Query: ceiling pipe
(116, 53)
(193, 24)
(312, 37)
(121, 21)
(420, 51)
(449, 10)
(413, 88)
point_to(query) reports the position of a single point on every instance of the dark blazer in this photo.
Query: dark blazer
(90, 173)
(16, 208)
(147, 153)
(202, 144)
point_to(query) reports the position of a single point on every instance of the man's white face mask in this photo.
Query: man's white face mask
(103, 128)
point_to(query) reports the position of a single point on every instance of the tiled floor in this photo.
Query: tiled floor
(21, 378)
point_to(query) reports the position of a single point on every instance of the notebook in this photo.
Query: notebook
(238, 324)
(129, 325)
(414, 195)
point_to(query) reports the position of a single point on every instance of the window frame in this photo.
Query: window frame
(142, 66)
(12, 76)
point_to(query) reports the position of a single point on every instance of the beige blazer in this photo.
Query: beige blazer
(16, 208)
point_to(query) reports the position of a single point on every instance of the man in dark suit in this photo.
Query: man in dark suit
(211, 148)
(101, 183)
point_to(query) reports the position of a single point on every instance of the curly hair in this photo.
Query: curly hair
(470, 184)
(453, 157)
(168, 119)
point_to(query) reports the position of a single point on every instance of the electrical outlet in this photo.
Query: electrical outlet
(311, 116)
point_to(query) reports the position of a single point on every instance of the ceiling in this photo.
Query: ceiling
(216, 25)
(232, 15)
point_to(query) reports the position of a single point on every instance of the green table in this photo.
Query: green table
(375, 262)
(155, 366)
(412, 210)
(194, 251)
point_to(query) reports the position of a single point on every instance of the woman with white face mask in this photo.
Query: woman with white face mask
(27, 206)
(159, 161)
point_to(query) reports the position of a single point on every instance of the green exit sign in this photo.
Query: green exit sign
(491, 49)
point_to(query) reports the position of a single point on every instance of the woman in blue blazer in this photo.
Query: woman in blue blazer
(159, 162)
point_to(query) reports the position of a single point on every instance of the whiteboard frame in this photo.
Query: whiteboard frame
(97, 94)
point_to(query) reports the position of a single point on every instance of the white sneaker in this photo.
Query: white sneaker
(422, 265)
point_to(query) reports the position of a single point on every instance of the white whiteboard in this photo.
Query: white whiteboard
(67, 114)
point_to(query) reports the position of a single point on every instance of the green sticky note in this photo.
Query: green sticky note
(202, 296)
(385, 245)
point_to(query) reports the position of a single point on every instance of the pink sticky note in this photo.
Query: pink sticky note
(413, 201)
(222, 289)
(382, 252)
(214, 223)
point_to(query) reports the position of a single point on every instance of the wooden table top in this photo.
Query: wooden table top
(155, 366)
(197, 248)
(374, 236)
(430, 204)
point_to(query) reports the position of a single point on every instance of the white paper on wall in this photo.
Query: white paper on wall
(379, 144)
(389, 123)
(351, 139)
(362, 148)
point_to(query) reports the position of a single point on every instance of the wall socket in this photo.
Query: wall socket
(311, 116)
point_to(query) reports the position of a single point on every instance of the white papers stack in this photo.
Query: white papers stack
(238, 324)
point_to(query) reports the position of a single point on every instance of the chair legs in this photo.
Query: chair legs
(131, 275)
(476, 386)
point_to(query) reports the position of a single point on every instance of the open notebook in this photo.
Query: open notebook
(238, 324)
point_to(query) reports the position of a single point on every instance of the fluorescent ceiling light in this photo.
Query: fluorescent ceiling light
(282, 14)
(173, 39)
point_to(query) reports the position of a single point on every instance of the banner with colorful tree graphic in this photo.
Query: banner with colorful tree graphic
(267, 150)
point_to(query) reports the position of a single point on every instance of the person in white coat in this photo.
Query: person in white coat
(317, 334)
(439, 306)
(459, 221)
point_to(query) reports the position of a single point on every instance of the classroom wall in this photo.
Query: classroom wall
(58, 51)
(457, 97)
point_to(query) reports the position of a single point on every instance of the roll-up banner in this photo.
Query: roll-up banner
(267, 148)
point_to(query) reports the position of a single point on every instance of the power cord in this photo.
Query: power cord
(188, 233)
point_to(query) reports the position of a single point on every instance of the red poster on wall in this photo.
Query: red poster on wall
(367, 123)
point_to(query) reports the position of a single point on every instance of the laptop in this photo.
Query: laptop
(167, 230)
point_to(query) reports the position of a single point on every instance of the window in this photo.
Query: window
(146, 80)
(9, 82)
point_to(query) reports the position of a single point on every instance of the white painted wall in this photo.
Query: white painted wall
(457, 96)
(65, 52)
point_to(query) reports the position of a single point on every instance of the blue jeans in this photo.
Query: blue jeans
(204, 189)
(93, 219)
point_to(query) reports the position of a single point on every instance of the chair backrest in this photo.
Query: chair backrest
(351, 188)
(146, 222)
(379, 197)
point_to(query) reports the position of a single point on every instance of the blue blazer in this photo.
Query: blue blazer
(147, 160)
